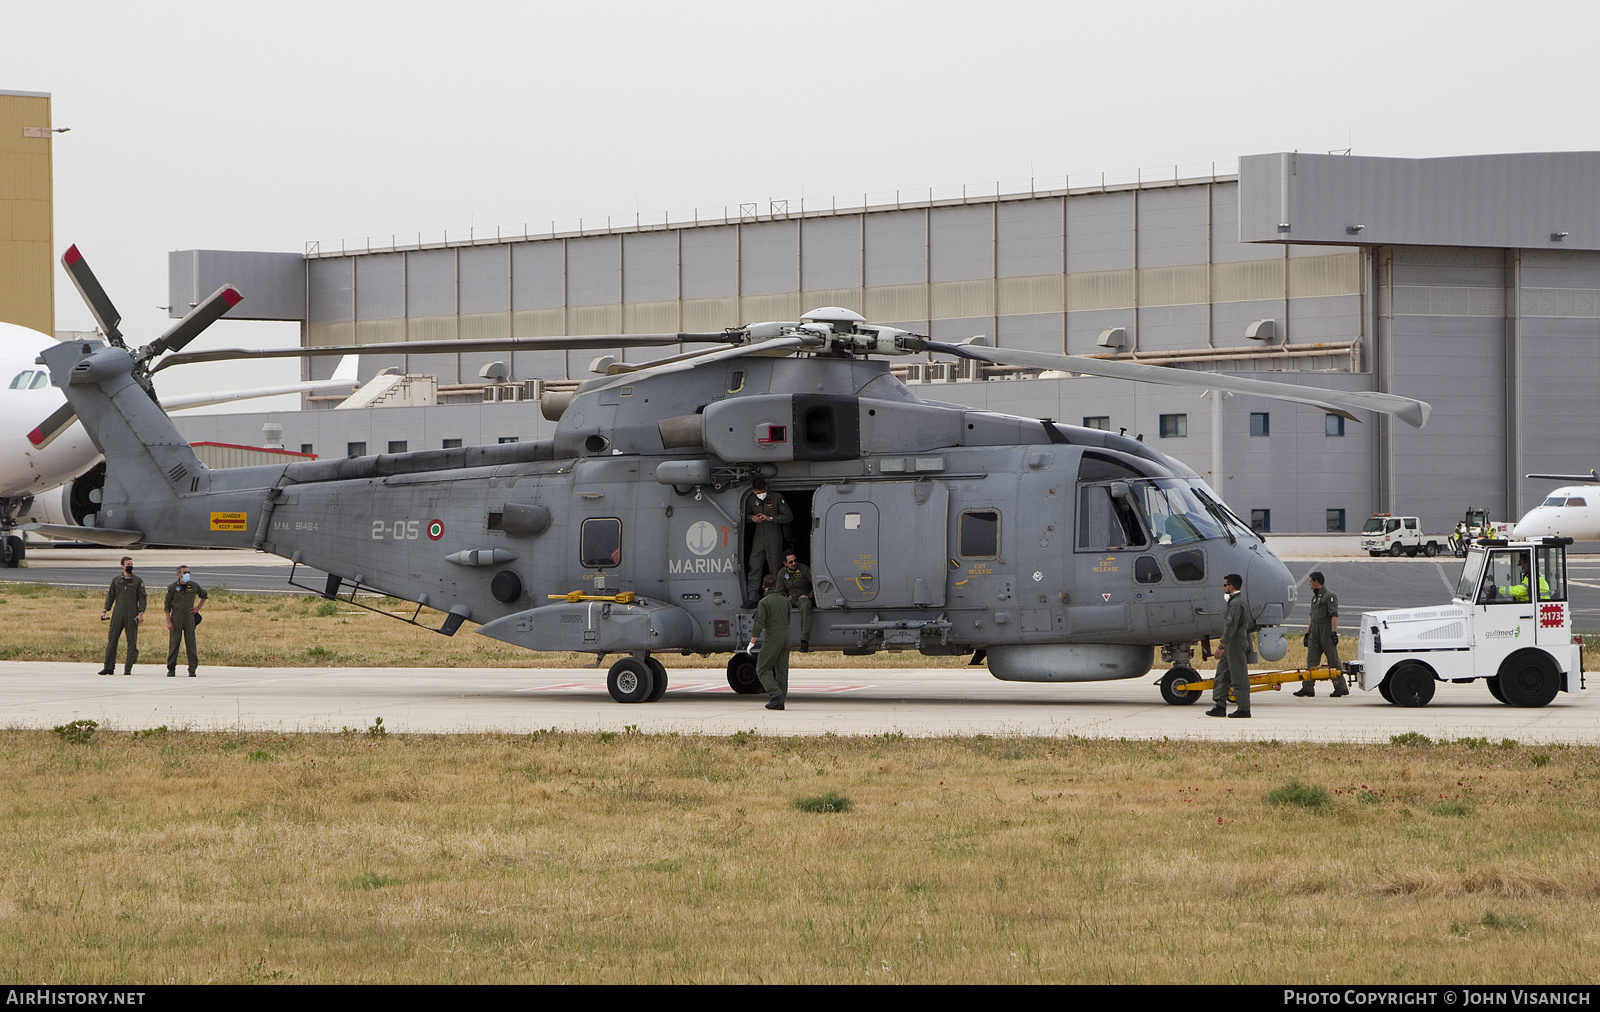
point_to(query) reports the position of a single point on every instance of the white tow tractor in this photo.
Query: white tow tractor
(1508, 623)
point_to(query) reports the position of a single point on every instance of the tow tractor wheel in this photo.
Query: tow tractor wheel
(1174, 678)
(1383, 690)
(659, 671)
(1527, 678)
(630, 681)
(742, 674)
(1396, 549)
(1410, 684)
(1493, 682)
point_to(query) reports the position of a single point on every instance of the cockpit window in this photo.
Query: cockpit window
(1577, 502)
(22, 380)
(1175, 513)
(40, 381)
(1107, 522)
(1555, 500)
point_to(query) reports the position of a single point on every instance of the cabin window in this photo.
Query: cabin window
(1188, 566)
(600, 543)
(980, 534)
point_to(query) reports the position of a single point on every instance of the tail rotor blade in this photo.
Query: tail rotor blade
(60, 420)
(197, 320)
(105, 314)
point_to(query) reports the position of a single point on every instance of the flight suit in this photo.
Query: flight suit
(181, 600)
(772, 661)
(766, 539)
(796, 586)
(1320, 643)
(125, 600)
(1232, 671)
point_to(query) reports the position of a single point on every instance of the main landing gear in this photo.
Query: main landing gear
(637, 680)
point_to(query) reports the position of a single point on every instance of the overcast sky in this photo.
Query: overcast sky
(262, 126)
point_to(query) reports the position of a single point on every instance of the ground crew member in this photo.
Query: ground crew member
(185, 598)
(1232, 671)
(124, 609)
(766, 512)
(1322, 639)
(1521, 590)
(794, 583)
(772, 628)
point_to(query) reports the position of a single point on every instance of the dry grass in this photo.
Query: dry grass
(624, 858)
(256, 630)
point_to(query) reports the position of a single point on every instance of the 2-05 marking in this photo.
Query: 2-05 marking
(400, 530)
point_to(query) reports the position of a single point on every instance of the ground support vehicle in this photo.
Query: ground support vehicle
(1182, 686)
(1395, 536)
(1509, 623)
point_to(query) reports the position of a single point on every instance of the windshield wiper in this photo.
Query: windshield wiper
(1226, 517)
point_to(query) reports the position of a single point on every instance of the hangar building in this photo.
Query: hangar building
(1471, 282)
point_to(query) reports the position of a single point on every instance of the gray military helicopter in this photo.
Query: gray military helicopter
(1052, 552)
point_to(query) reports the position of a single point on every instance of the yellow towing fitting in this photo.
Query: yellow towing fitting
(1182, 686)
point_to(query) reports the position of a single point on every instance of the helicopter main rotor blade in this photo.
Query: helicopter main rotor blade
(1337, 402)
(682, 363)
(60, 420)
(196, 320)
(601, 341)
(100, 307)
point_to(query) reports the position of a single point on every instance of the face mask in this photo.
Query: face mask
(184, 578)
(761, 495)
(128, 568)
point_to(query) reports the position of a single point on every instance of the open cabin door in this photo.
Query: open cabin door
(880, 545)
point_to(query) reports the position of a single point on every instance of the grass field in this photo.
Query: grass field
(167, 856)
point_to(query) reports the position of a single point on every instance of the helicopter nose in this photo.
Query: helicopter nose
(1269, 583)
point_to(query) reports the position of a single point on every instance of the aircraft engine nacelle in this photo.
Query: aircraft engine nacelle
(1069, 662)
(72, 503)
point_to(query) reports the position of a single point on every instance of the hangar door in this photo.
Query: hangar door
(880, 545)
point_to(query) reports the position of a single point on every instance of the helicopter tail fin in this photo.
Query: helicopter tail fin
(149, 465)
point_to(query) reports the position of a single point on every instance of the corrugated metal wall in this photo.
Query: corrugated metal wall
(27, 236)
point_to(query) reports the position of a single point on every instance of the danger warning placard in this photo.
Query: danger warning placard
(228, 521)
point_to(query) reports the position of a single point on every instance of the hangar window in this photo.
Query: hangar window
(355, 449)
(1260, 423)
(1335, 521)
(1333, 425)
(600, 543)
(980, 534)
(1174, 426)
(1102, 422)
(397, 446)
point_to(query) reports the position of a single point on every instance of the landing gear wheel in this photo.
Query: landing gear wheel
(1410, 684)
(1174, 678)
(15, 550)
(630, 681)
(742, 674)
(659, 672)
(1430, 549)
(1396, 549)
(1528, 679)
(1493, 682)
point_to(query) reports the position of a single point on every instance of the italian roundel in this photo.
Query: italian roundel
(435, 530)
